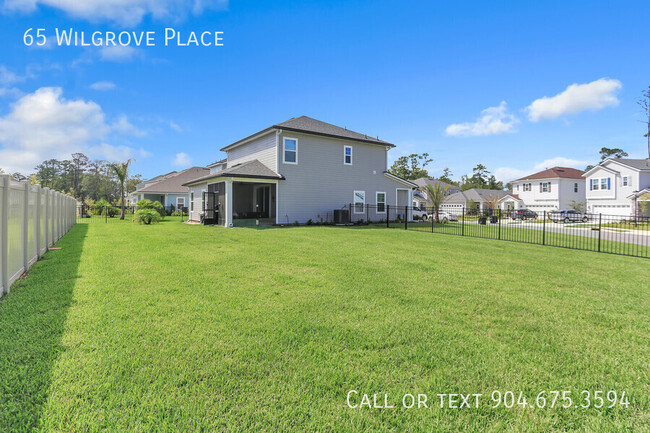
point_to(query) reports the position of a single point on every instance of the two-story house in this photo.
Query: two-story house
(551, 189)
(616, 186)
(299, 170)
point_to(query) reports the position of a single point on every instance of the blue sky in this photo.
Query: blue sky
(463, 81)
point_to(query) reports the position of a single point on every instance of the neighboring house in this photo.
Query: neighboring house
(168, 189)
(420, 198)
(616, 186)
(299, 170)
(551, 189)
(455, 203)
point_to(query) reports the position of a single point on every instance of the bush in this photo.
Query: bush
(103, 207)
(147, 216)
(155, 205)
(179, 213)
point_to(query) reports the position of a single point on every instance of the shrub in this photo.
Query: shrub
(155, 205)
(310, 222)
(103, 207)
(147, 216)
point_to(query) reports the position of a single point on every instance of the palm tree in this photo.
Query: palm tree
(436, 195)
(121, 171)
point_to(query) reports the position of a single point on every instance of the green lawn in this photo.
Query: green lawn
(173, 327)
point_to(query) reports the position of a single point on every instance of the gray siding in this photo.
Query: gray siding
(262, 149)
(320, 182)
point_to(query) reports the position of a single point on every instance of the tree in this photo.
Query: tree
(446, 176)
(644, 203)
(436, 195)
(478, 180)
(493, 202)
(411, 167)
(606, 152)
(644, 103)
(18, 177)
(121, 171)
(79, 163)
(578, 206)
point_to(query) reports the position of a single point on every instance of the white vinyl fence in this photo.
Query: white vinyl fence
(31, 219)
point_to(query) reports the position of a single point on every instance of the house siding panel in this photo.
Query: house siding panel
(321, 182)
(262, 149)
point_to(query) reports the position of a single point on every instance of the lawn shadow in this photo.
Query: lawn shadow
(32, 322)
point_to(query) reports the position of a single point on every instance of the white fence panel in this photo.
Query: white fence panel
(31, 219)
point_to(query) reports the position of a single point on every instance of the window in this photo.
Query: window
(202, 200)
(192, 202)
(626, 181)
(359, 201)
(290, 151)
(545, 187)
(594, 184)
(347, 155)
(575, 187)
(381, 202)
(180, 202)
(527, 187)
(517, 187)
(603, 183)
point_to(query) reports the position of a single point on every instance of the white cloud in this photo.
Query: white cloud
(507, 174)
(173, 125)
(123, 126)
(117, 153)
(44, 125)
(123, 12)
(7, 77)
(118, 53)
(493, 120)
(182, 160)
(103, 86)
(575, 99)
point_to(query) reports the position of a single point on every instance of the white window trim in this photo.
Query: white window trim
(284, 152)
(595, 184)
(180, 198)
(351, 155)
(377, 202)
(354, 202)
(626, 181)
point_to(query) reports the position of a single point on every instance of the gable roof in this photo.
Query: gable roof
(254, 169)
(173, 183)
(308, 125)
(423, 181)
(475, 194)
(639, 164)
(220, 162)
(555, 172)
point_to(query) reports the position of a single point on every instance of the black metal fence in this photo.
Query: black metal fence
(112, 214)
(613, 234)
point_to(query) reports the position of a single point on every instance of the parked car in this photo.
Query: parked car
(568, 216)
(523, 214)
(420, 213)
(445, 217)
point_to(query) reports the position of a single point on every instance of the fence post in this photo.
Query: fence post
(406, 217)
(4, 232)
(462, 226)
(25, 185)
(433, 218)
(544, 229)
(367, 213)
(499, 224)
(600, 227)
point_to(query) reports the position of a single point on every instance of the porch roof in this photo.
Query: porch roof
(250, 169)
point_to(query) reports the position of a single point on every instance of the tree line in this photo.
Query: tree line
(413, 167)
(84, 179)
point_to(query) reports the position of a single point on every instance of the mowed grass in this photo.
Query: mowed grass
(173, 327)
